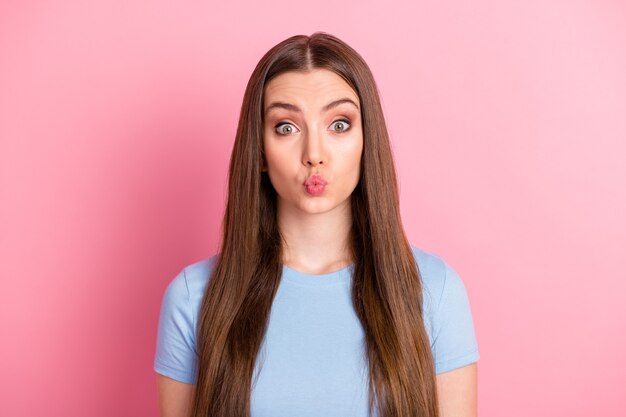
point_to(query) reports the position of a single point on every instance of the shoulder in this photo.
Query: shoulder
(196, 275)
(447, 313)
(175, 354)
(442, 287)
(435, 273)
(184, 293)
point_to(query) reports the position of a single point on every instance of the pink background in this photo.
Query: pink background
(508, 122)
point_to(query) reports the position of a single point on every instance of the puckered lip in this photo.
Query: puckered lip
(315, 179)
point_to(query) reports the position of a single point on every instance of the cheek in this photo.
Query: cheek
(276, 159)
(272, 153)
(280, 166)
(352, 153)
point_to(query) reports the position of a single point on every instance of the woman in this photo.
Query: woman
(316, 303)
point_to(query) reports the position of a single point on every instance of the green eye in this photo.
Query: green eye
(341, 125)
(285, 128)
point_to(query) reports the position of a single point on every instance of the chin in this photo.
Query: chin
(321, 205)
(316, 208)
(317, 205)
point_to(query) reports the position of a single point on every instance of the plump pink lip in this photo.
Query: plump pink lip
(314, 185)
(315, 179)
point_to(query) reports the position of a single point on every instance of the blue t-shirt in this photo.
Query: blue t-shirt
(312, 360)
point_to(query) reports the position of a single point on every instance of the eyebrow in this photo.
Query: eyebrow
(294, 108)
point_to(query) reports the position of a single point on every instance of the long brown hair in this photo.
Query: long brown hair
(386, 284)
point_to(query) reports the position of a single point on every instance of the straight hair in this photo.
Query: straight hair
(386, 282)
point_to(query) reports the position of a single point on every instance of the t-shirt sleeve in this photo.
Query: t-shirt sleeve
(175, 354)
(454, 339)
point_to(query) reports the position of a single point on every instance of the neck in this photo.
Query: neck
(316, 242)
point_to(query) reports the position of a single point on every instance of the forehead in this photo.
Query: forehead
(314, 86)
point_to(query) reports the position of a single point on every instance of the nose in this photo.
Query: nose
(314, 149)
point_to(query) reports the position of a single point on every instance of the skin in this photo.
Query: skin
(316, 229)
(313, 140)
(174, 397)
(457, 390)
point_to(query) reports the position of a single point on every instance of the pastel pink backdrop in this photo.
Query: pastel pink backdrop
(508, 123)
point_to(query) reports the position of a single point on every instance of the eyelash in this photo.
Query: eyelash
(346, 121)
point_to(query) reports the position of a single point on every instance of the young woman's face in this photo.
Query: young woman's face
(312, 125)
